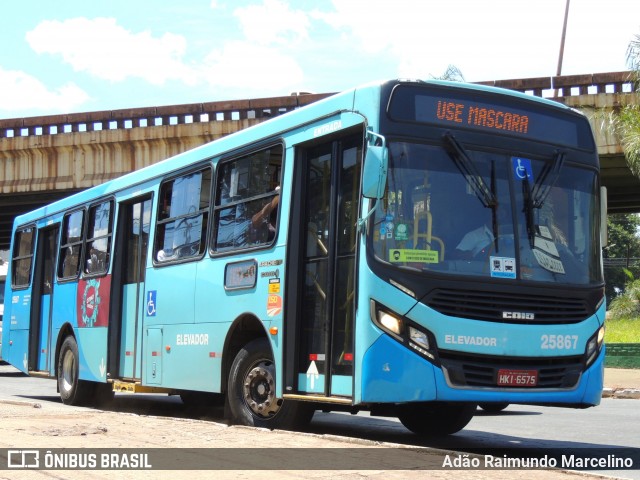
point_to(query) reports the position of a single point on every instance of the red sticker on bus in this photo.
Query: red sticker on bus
(274, 305)
(93, 302)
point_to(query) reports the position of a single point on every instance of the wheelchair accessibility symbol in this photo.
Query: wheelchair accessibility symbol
(151, 303)
(522, 168)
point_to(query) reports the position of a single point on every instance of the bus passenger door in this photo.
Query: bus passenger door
(320, 317)
(42, 304)
(129, 275)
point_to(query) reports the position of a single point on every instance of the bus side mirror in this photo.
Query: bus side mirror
(604, 234)
(374, 172)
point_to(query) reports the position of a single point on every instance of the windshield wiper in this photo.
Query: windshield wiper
(528, 210)
(536, 196)
(541, 187)
(466, 166)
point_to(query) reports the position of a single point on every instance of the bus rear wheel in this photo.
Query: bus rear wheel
(436, 419)
(73, 391)
(251, 392)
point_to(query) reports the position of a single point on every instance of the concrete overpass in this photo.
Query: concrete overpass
(45, 158)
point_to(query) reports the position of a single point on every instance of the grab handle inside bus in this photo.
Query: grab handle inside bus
(376, 161)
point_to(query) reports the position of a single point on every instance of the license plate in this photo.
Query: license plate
(517, 378)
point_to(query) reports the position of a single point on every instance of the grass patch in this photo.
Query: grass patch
(623, 330)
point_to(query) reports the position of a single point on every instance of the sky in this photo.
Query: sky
(68, 56)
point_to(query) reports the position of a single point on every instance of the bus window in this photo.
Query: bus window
(98, 247)
(183, 216)
(246, 200)
(22, 258)
(69, 258)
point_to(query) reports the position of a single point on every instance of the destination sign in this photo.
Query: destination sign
(481, 116)
(486, 111)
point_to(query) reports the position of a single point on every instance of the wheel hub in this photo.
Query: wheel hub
(68, 371)
(259, 390)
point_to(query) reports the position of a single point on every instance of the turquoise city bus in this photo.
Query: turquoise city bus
(410, 248)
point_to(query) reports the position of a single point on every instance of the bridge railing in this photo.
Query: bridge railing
(571, 85)
(556, 87)
(154, 116)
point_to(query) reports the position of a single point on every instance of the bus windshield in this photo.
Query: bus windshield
(455, 210)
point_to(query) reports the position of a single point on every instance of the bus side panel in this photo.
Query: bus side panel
(18, 310)
(64, 305)
(190, 356)
(16, 347)
(92, 349)
(221, 307)
(17, 314)
(176, 352)
(174, 287)
(64, 313)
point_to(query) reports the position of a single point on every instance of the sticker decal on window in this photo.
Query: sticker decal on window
(548, 262)
(400, 255)
(503, 267)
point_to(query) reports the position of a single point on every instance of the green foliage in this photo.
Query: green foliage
(627, 305)
(624, 243)
(626, 122)
(633, 54)
(626, 126)
(623, 235)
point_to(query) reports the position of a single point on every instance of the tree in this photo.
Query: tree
(452, 73)
(623, 235)
(626, 122)
(624, 244)
(623, 228)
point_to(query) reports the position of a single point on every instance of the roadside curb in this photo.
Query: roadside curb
(621, 393)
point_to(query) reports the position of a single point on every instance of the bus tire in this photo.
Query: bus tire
(435, 419)
(73, 391)
(493, 407)
(251, 392)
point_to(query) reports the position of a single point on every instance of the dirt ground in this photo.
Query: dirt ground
(26, 425)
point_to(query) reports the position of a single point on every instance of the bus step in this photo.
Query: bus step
(318, 398)
(136, 387)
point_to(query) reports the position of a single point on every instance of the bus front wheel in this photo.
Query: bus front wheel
(435, 419)
(73, 391)
(493, 407)
(251, 392)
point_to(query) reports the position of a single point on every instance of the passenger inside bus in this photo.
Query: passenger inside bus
(264, 221)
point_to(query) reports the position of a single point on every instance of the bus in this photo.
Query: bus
(408, 248)
(3, 276)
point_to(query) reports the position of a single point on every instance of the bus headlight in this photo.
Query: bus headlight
(390, 322)
(419, 340)
(403, 330)
(594, 345)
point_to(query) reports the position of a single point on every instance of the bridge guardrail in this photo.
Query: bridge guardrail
(154, 116)
(554, 87)
(571, 85)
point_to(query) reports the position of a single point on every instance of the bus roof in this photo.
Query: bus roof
(334, 104)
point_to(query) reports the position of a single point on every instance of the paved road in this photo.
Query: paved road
(615, 423)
